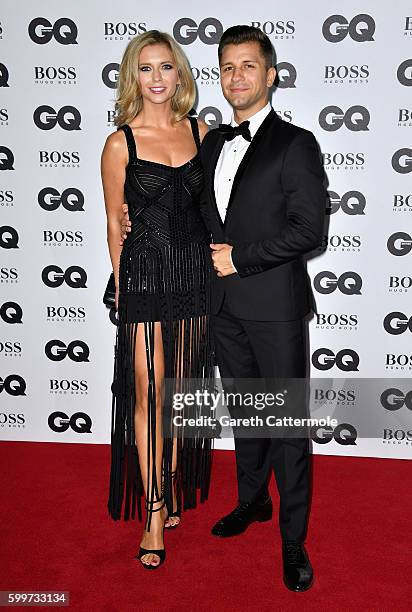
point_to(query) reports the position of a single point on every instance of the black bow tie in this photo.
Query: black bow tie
(229, 132)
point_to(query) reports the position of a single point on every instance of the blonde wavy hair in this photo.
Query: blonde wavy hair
(129, 101)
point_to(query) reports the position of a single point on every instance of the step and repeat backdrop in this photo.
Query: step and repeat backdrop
(343, 74)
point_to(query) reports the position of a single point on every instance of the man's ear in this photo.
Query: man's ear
(270, 77)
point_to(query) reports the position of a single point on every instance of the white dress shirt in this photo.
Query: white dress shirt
(229, 160)
(230, 157)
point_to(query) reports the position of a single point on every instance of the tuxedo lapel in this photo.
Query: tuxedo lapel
(212, 169)
(247, 156)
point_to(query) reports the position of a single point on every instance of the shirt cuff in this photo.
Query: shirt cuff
(231, 261)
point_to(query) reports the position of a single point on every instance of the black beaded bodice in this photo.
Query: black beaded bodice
(166, 254)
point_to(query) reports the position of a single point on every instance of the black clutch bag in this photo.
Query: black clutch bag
(109, 297)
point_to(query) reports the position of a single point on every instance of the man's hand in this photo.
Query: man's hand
(125, 224)
(222, 261)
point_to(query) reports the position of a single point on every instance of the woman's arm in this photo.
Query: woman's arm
(113, 169)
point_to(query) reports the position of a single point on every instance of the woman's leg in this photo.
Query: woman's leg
(149, 375)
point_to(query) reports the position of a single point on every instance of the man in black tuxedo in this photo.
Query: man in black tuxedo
(264, 205)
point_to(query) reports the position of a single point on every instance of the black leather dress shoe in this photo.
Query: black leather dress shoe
(297, 570)
(242, 516)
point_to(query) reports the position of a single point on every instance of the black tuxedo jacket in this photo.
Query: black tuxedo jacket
(275, 215)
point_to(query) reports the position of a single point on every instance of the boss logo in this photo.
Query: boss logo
(400, 283)
(344, 242)
(71, 199)
(404, 115)
(121, 29)
(205, 74)
(397, 435)
(59, 237)
(404, 73)
(398, 361)
(397, 323)
(75, 277)
(351, 203)
(344, 434)
(13, 384)
(68, 118)
(62, 313)
(10, 349)
(6, 197)
(338, 160)
(394, 399)
(331, 395)
(402, 160)
(330, 321)
(77, 350)
(360, 28)
(343, 72)
(4, 76)
(348, 283)
(286, 75)
(12, 419)
(63, 386)
(399, 200)
(346, 360)
(11, 312)
(4, 116)
(356, 118)
(209, 31)
(78, 422)
(64, 31)
(399, 244)
(9, 275)
(278, 28)
(211, 115)
(53, 158)
(110, 74)
(286, 115)
(6, 158)
(9, 238)
(51, 73)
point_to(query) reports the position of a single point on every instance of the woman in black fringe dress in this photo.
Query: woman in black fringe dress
(162, 273)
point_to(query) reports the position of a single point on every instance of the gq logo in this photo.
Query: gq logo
(286, 75)
(209, 31)
(360, 28)
(404, 73)
(6, 158)
(78, 422)
(13, 384)
(356, 118)
(348, 283)
(396, 323)
(351, 203)
(75, 277)
(344, 434)
(394, 399)
(68, 118)
(400, 243)
(211, 115)
(11, 312)
(71, 199)
(346, 360)
(110, 74)
(64, 31)
(9, 238)
(402, 161)
(77, 350)
(4, 76)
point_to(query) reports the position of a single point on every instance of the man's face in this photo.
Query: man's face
(244, 76)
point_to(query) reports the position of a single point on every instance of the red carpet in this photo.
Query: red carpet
(55, 535)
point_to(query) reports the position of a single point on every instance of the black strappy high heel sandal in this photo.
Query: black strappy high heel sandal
(174, 514)
(144, 551)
